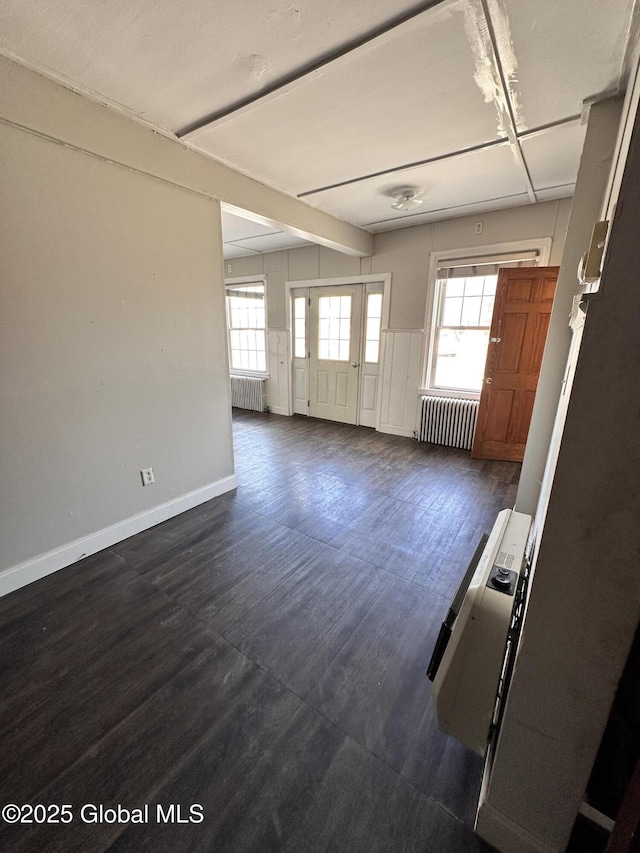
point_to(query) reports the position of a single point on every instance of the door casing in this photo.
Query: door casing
(382, 278)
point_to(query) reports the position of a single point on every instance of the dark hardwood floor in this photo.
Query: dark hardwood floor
(261, 655)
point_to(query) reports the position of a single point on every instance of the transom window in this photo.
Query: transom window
(246, 320)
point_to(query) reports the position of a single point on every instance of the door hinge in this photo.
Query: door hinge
(308, 402)
(309, 301)
(309, 354)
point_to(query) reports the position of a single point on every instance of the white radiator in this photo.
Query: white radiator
(447, 420)
(248, 392)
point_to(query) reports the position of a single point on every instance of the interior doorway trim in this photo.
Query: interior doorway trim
(374, 278)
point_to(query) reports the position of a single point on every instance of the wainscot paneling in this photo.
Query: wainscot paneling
(401, 374)
(278, 366)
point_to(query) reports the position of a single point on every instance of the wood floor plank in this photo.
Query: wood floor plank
(394, 535)
(77, 667)
(250, 801)
(296, 631)
(206, 529)
(262, 654)
(223, 587)
(219, 710)
(363, 807)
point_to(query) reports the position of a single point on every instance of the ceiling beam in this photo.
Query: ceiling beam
(503, 95)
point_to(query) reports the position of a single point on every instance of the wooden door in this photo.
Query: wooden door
(335, 317)
(524, 298)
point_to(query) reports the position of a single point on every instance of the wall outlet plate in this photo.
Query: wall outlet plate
(147, 476)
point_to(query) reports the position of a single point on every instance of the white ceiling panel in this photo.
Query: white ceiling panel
(553, 157)
(489, 176)
(174, 63)
(272, 242)
(406, 97)
(565, 52)
(233, 251)
(244, 236)
(237, 228)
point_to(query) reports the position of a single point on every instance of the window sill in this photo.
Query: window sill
(247, 374)
(448, 392)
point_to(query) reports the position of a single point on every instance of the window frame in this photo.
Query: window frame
(237, 283)
(441, 286)
(454, 257)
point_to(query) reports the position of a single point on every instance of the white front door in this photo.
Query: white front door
(335, 320)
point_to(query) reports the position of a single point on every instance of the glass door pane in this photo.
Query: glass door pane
(334, 328)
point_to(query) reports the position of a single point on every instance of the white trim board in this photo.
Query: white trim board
(404, 432)
(25, 573)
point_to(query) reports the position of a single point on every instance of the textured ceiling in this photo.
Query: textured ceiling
(476, 102)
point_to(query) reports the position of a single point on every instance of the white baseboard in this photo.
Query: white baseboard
(45, 564)
(396, 430)
(279, 410)
(506, 835)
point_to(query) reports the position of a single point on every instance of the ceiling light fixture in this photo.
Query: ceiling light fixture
(407, 198)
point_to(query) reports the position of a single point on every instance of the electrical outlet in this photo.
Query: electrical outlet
(229, 268)
(479, 227)
(147, 476)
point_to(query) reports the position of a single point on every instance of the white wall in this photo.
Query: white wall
(405, 254)
(112, 345)
(593, 174)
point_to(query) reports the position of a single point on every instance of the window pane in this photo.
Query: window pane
(490, 283)
(334, 327)
(452, 311)
(455, 286)
(247, 327)
(372, 333)
(471, 311)
(473, 286)
(371, 352)
(486, 312)
(300, 343)
(461, 358)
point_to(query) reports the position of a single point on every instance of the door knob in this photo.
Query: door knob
(355, 364)
(488, 380)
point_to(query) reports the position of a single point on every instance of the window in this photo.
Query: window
(300, 327)
(246, 320)
(372, 329)
(462, 331)
(465, 293)
(334, 328)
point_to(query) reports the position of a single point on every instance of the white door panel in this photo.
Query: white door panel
(335, 320)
